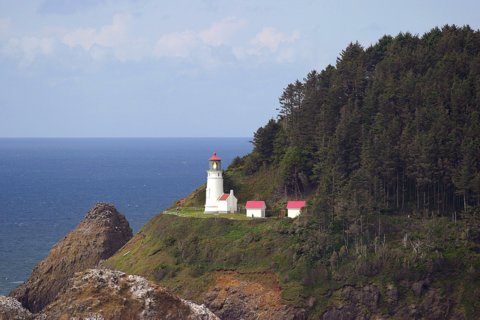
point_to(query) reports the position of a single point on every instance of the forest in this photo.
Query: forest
(394, 127)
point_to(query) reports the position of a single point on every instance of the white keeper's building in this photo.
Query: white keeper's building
(255, 209)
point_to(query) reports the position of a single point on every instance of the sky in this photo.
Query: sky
(183, 68)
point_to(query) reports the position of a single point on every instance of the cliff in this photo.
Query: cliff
(296, 269)
(107, 294)
(99, 235)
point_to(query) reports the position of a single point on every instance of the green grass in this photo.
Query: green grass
(180, 251)
(199, 213)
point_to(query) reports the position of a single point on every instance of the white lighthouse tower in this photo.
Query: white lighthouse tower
(214, 184)
(215, 199)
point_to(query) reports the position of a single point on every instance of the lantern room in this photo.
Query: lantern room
(215, 162)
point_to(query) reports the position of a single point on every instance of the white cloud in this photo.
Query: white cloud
(184, 44)
(114, 40)
(271, 39)
(223, 41)
(177, 44)
(221, 32)
(110, 36)
(28, 48)
(270, 45)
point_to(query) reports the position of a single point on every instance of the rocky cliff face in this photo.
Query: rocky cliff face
(107, 294)
(242, 296)
(11, 309)
(98, 236)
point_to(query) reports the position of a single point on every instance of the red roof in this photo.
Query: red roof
(214, 157)
(224, 196)
(298, 204)
(255, 205)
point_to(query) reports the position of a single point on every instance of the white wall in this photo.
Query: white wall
(232, 204)
(256, 213)
(292, 213)
(214, 190)
(223, 206)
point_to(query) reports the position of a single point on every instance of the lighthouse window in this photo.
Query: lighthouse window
(218, 174)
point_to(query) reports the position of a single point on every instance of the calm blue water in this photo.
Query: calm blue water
(48, 185)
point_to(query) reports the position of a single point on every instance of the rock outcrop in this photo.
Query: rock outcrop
(249, 296)
(11, 309)
(98, 236)
(108, 294)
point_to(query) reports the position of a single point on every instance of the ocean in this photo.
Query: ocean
(48, 185)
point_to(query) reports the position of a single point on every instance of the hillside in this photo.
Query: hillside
(385, 146)
(420, 267)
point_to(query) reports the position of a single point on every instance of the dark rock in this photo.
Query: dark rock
(98, 236)
(344, 313)
(433, 305)
(391, 295)
(418, 288)
(356, 303)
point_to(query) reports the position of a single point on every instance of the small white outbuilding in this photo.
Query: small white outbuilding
(227, 203)
(295, 208)
(255, 209)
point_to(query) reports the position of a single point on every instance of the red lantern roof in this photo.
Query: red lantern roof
(214, 157)
(299, 204)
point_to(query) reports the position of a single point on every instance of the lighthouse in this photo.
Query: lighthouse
(215, 199)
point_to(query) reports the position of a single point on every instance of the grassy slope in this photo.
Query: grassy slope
(182, 253)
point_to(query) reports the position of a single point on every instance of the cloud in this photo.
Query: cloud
(271, 39)
(114, 39)
(221, 32)
(221, 42)
(108, 36)
(28, 48)
(270, 44)
(184, 44)
(177, 44)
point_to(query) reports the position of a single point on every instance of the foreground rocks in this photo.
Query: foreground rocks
(108, 294)
(11, 309)
(98, 236)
